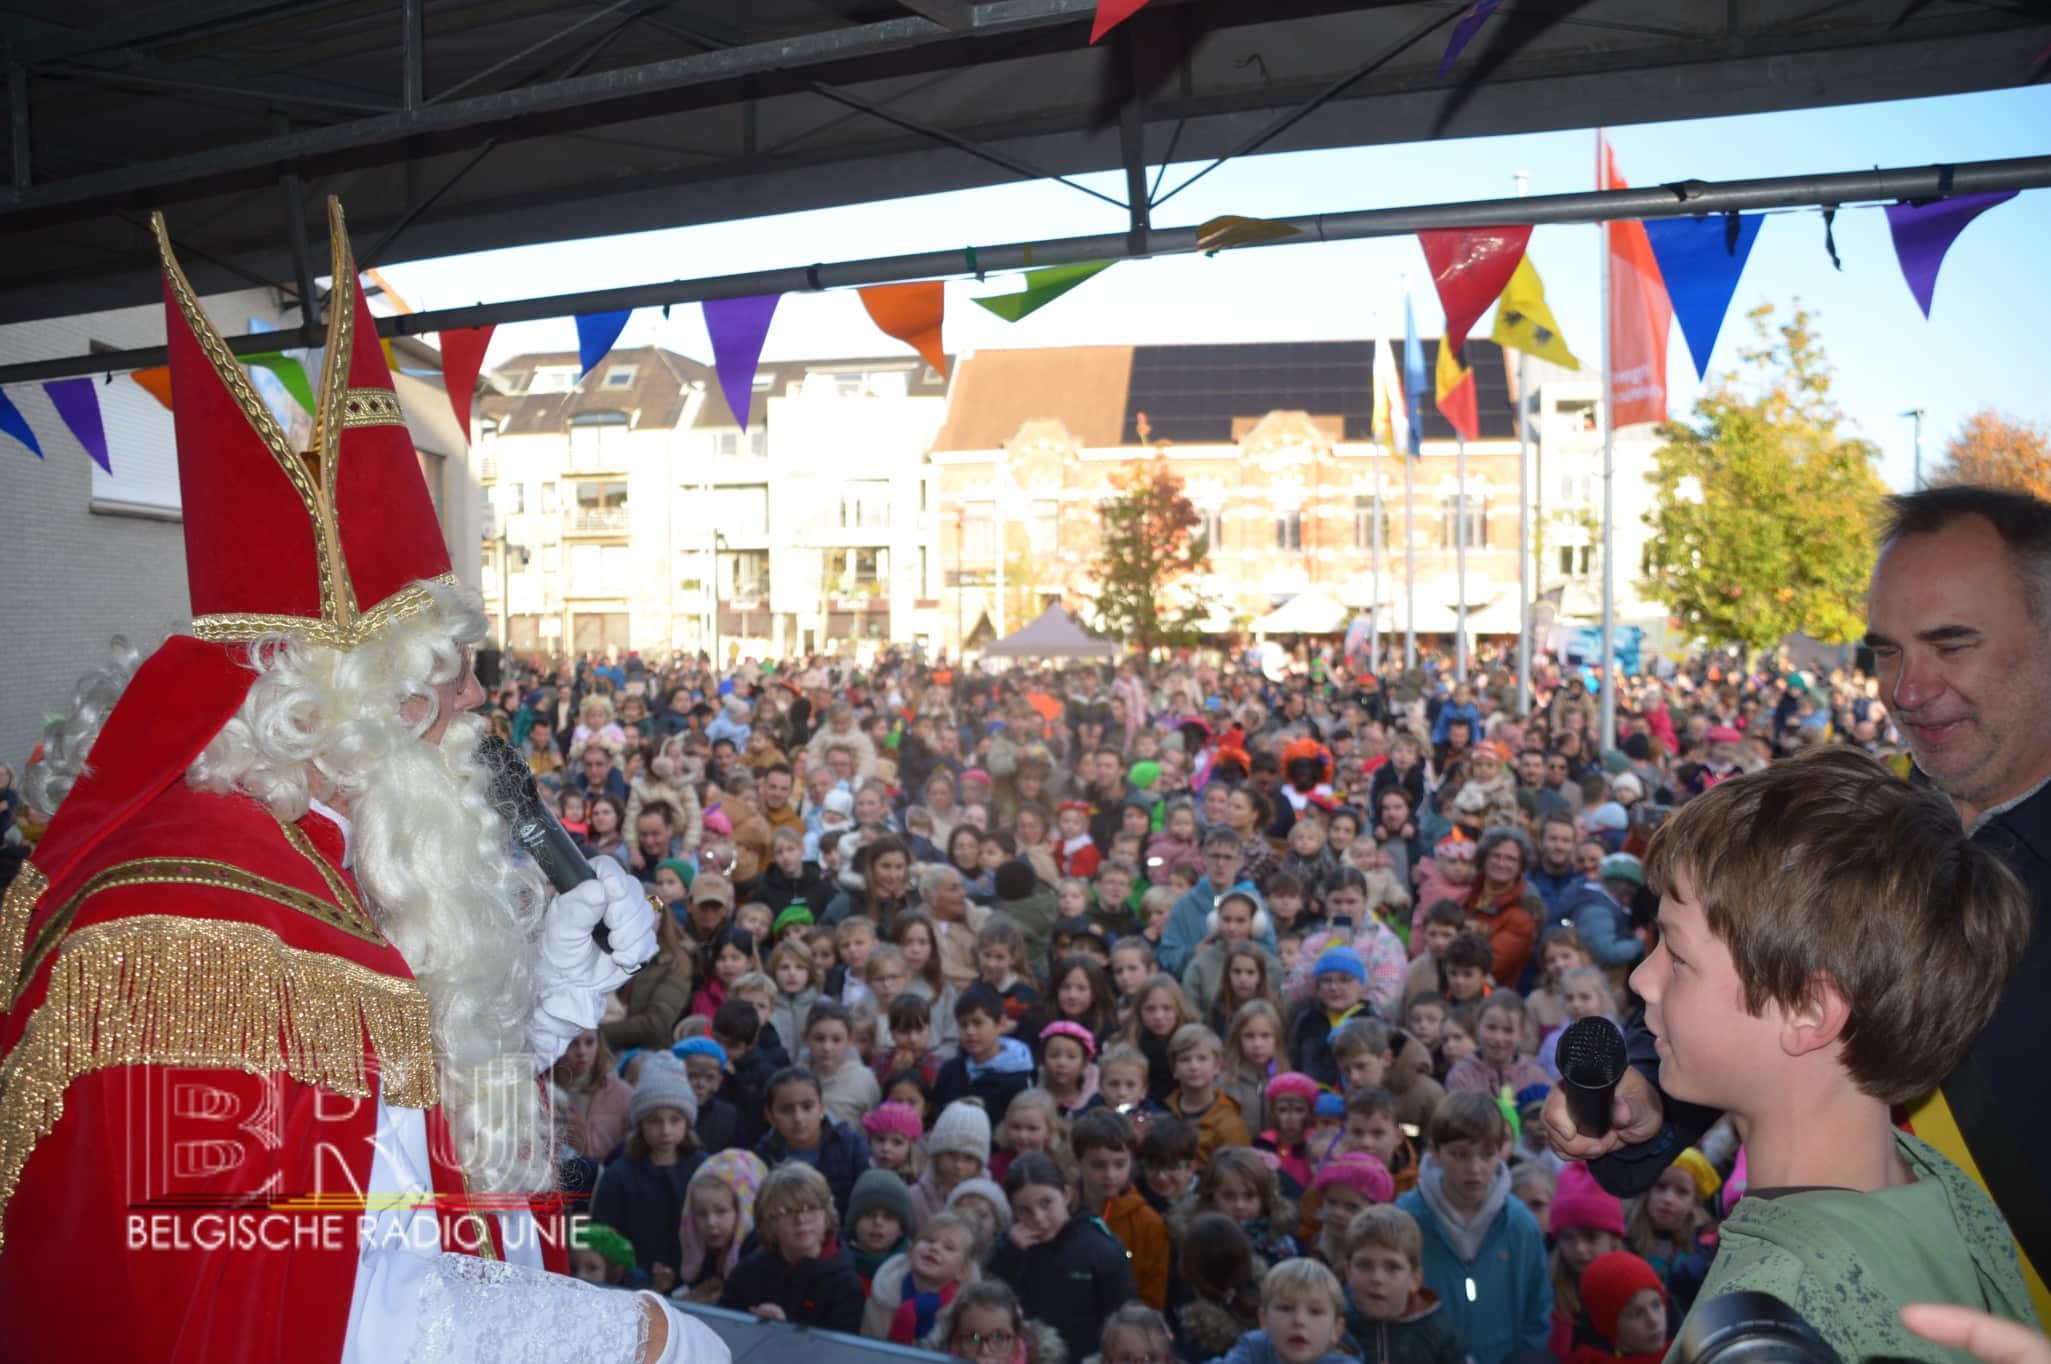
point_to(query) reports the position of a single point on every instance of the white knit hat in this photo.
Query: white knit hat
(963, 1127)
(990, 1191)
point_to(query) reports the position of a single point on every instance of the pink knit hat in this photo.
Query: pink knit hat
(1360, 1171)
(1581, 1202)
(1074, 1032)
(1292, 1084)
(900, 1118)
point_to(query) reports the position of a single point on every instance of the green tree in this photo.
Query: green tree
(1148, 558)
(1764, 517)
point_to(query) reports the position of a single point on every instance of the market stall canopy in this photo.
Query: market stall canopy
(451, 126)
(1315, 612)
(1053, 634)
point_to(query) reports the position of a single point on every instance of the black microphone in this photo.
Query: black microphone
(1591, 1059)
(513, 794)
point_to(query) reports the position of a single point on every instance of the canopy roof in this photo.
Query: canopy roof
(1053, 634)
(461, 125)
(1312, 612)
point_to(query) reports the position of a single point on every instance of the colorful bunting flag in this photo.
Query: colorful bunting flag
(1041, 288)
(290, 373)
(1228, 230)
(1112, 13)
(78, 403)
(1413, 379)
(384, 343)
(913, 313)
(156, 382)
(1470, 266)
(1700, 259)
(1524, 320)
(595, 334)
(16, 425)
(1464, 31)
(1391, 413)
(1924, 232)
(738, 327)
(1640, 315)
(462, 361)
(1455, 395)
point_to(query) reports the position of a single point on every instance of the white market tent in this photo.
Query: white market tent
(1053, 634)
(1311, 612)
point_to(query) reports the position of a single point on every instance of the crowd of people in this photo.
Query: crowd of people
(1077, 1013)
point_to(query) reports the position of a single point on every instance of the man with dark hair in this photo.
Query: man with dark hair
(773, 793)
(1959, 621)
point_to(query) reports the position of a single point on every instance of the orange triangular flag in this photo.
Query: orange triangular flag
(912, 313)
(155, 382)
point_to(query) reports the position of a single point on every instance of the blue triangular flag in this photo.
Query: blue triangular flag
(595, 334)
(16, 425)
(1701, 259)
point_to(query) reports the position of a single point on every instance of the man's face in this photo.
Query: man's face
(1530, 769)
(841, 762)
(819, 783)
(1222, 865)
(1555, 770)
(1711, 1050)
(1962, 666)
(776, 790)
(707, 915)
(1556, 846)
(597, 763)
(654, 835)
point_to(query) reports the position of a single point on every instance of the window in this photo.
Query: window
(850, 385)
(519, 494)
(1476, 522)
(601, 506)
(487, 430)
(620, 376)
(732, 442)
(859, 571)
(744, 575)
(1289, 530)
(553, 379)
(865, 505)
(1364, 515)
(978, 532)
(598, 440)
(1211, 526)
(1574, 560)
(925, 586)
(1044, 530)
(549, 505)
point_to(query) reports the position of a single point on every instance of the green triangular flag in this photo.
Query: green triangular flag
(1042, 288)
(290, 373)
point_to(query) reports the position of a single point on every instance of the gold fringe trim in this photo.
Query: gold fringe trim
(160, 990)
(15, 909)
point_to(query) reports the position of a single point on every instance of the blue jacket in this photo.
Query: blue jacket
(843, 1155)
(1553, 888)
(1008, 1074)
(1255, 1348)
(645, 1204)
(1450, 712)
(1604, 925)
(1501, 1301)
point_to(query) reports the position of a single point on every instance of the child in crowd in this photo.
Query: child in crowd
(732, 956)
(1251, 976)
(600, 1255)
(1496, 1064)
(1221, 1288)
(641, 1194)
(982, 1202)
(718, 1217)
(1345, 1186)
(1104, 1145)
(1290, 1095)
(1132, 961)
(1069, 1271)
(1159, 901)
(1373, 1125)
(1122, 1086)
(957, 1149)
(987, 1325)
(1302, 1319)
(878, 1223)
(1629, 1310)
(1425, 1017)
(1340, 978)
(1286, 905)
(1457, 1040)
(1440, 924)
(1158, 1011)
(1535, 1184)
(1237, 918)
(918, 939)
(1792, 899)
(1000, 958)
(819, 938)
(1167, 1162)
(910, 1290)
(1465, 973)
(1483, 1255)
(760, 920)
(1075, 852)
(1327, 1119)
(1253, 1045)
(1239, 1184)
(1197, 1056)
(1448, 874)
(1310, 858)
(737, 1028)
(1584, 993)
(909, 1088)
(1671, 1230)
(1068, 1069)
(854, 938)
(989, 1067)
(1081, 938)
(910, 1020)
(1135, 1334)
(793, 923)
(718, 1125)
(1288, 951)
(1078, 992)
(1559, 951)
(1031, 1122)
(1111, 902)
(1586, 1222)
(1177, 844)
(894, 1134)
(845, 1083)
(756, 990)
(801, 1130)
(1353, 924)
(1392, 1316)
(1072, 897)
(801, 1274)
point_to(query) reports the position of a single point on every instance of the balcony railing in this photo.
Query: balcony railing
(599, 521)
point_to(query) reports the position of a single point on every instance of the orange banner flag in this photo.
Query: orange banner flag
(1640, 314)
(913, 314)
(155, 382)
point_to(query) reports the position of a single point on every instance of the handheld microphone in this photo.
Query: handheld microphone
(513, 794)
(1591, 1060)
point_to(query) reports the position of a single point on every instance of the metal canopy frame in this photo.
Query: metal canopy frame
(1682, 199)
(236, 115)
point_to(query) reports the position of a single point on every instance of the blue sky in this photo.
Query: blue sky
(1983, 344)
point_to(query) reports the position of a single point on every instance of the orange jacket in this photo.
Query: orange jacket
(1145, 1237)
(1219, 1125)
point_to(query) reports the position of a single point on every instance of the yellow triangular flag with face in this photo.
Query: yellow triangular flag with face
(1524, 322)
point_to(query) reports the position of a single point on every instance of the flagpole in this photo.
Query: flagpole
(1523, 519)
(1460, 558)
(1607, 677)
(1409, 566)
(1374, 607)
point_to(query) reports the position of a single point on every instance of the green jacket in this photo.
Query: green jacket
(656, 999)
(1848, 1261)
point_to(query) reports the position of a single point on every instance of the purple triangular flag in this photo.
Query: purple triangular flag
(14, 424)
(738, 327)
(595, 334)
(1924, 232)
(78, 404)
(1464, 31)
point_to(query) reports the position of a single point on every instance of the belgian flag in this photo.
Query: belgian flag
(1456, 400)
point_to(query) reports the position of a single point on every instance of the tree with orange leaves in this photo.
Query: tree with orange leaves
(1992, 448)
(1147, 562)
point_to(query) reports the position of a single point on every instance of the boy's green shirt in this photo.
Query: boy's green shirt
(1848, 1261)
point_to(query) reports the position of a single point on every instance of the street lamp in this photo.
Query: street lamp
(1916, 414)
(718, 544)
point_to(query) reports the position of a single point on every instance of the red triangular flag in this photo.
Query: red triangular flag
(462, 358)
(1470, 266)
(1112, 13)
(912, 313)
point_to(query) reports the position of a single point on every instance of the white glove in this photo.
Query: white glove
(575, 975)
